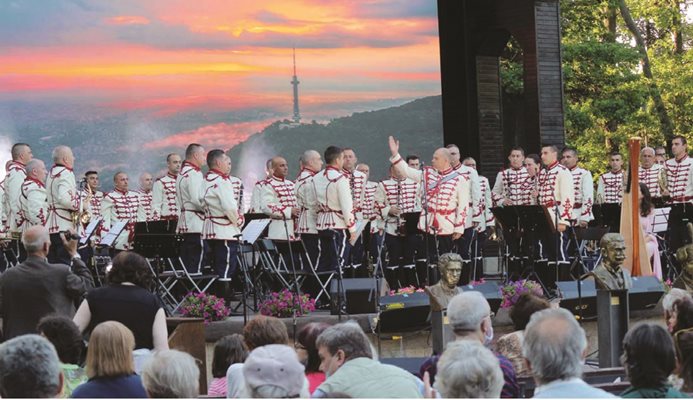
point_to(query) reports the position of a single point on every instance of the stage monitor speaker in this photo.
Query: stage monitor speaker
(404, 313)
(491, 292)
(358, 295)
(645, 293)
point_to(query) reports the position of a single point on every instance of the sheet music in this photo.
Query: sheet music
(254, 229)
(113, 233)
(360, 226)
(89, 232)
(661, 220)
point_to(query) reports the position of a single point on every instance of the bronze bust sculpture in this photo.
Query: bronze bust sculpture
(440, 294)
(609, 273)
(684, 255)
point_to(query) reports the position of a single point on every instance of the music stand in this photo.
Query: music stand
(607, 214)
(533, 219)
(411, 222)
(90, 230)
(247, 218)
(110, 237)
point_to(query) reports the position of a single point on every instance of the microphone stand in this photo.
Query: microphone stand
(244, 267)
(293, 269)
(340, 261)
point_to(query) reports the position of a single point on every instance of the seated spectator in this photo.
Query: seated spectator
(554, 348)
(510, 345)
(469, 370)
(668, 306)
(67, 339)
(110, 367)
(347, 361)
(648, 357)
(259, 331)
(227, 351)
(29, 367)
(127, 299)
(273, 371)
(683, 343)
(469, 315)
(308, 352)
(171, 374)
(682, 314)
(35, 288)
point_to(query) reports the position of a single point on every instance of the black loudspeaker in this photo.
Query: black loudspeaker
(491, 292)
(645, 293)
(358, 295)
(404, 313)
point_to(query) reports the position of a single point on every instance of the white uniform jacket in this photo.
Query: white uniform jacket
(188, 189)
(63, 198)
(222, 221)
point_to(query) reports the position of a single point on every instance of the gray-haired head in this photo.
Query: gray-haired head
(467, 312)
(553, 345)
(60, 152)
(467, 369)
(36, 240)
(347, 337)
(35, 169)
(29, 367)
(171, 374)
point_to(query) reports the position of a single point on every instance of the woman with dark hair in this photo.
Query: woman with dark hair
(647, 214)
(67, 339)
(683, 314)
(308, 352)
(228, 350)
(127, 300)
(648, 357)
(510, 345)
(683, 341)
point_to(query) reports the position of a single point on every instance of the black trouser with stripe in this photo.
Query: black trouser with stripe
(191, 252)
(224, 257)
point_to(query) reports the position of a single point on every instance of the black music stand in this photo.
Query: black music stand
(411, 222)
(253, 216)
(607, 214)
(532, 220)
(507, 219)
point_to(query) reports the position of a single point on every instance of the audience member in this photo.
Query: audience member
(510, 345)
(259, 331)
(554, 347)
(469, 315)
(668, 306)
(648, 357)
(683, 341)
(29, 367)
(308, 352)
(683, 314)
(171, 374)
(273, 371)
(469, 370)
(35, 288)
(127, 300)
(65, 336)
(227, 351)
(347, 361)
(110, 367)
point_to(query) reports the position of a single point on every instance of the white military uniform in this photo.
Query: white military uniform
(333, 199)
(306, 202)
(556, 191)
(16, 174)
(653, 178)
(221, 221)
(237, 184)
(164, 198)
(448, 196)
(400, 193)
(94, 205)
(368, 208)
(256, 197)
(277, 198)
(610, 188)
(188, 186)
(357, 184)
(118, 206)
(680, 179)
(514, 184)
(476, 213)
(584, 194)
(144, 208)
(487, 203)
(33, 204)
(63, 198)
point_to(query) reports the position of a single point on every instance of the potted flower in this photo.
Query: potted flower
(203, 305)
(512, 290)
(406, 290)
(285, 303)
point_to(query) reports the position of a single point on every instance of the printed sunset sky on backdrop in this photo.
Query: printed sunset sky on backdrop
(162, 73)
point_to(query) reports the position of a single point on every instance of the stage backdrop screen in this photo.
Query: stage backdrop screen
(126, 82)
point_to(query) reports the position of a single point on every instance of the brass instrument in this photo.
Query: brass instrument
(662, 181)
(83, 216)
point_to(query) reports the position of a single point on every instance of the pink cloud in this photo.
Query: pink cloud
(128, 20)
(221, 135)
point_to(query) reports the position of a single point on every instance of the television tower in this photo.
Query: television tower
(294, 83)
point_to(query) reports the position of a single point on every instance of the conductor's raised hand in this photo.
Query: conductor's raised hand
(394, 145)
